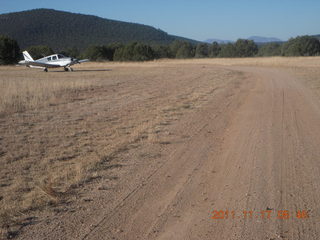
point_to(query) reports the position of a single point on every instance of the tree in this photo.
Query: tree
(301, 46)
(202, 50)
(142, 52)
(245, 48)
(134, 52)
(124, 53)
(40, 51)
(270, 49)
(228, 51)
(214, 49)
(71, 52)
(9, 50)
(99, 53)
(174, 47)
(162, 51)
(186, 50)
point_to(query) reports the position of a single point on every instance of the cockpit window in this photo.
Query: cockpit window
(49, 58)
(54, 58)
(60, 56)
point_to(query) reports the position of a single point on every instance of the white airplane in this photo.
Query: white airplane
(53, 61)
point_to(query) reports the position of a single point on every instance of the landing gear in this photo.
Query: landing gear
(68, 69)
(45, 69)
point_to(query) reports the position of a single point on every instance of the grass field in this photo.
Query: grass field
(62, 131)
(20, 92)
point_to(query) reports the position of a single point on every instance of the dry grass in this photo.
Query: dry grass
(259, 61)
(20, 95)
(23, 93)
(49, 149)
(71, 129)
(19, 92)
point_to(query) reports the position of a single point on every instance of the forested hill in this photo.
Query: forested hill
(60, 30)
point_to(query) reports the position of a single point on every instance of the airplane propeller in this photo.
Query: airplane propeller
(77, 61)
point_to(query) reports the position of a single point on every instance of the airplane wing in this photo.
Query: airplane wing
(39, 64)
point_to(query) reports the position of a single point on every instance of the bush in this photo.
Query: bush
(9, 50)
(162, 51)
(174, 47)
(270, 49)
(228, 51)
(99, 53)
(134, 52)
(301, 46)
(142, 52)
(245, 48)
(186, 50)
(71, 52)
(202, 50)
(214, 49)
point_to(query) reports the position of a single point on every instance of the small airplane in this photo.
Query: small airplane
(52, 61)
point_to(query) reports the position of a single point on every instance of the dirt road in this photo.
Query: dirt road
(251, 149)
(267, 159)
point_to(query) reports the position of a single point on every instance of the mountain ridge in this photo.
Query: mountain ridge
(259, 39)
(256, 39)
(48, 27)
(220, 41)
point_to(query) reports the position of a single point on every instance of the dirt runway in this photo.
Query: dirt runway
(241, 162)
(266, 161)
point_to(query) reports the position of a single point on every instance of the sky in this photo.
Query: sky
(199, 20)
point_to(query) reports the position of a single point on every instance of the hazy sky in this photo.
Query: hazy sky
(200, 20)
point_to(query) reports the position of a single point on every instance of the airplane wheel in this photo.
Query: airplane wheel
(66, 69)
(46, 69)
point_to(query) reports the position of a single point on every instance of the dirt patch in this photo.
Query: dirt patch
(51, 151)
(150, 150)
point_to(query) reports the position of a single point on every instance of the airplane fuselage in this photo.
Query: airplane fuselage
(52, 61)
(56, 59)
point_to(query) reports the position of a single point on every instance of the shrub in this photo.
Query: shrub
(9, 50)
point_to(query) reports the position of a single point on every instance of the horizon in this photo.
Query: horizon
(236, 19)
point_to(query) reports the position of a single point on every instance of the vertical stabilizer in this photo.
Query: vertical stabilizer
(27, 56)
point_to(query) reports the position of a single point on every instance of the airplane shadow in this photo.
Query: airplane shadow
(85, 70)
(93, 70)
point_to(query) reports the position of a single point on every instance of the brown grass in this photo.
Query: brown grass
(20, 92)
(61, 131)
(259, 61)
(20, 95)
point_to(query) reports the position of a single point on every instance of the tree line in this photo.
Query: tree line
(179, 49)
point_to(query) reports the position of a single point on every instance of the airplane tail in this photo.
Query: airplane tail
(27, 56)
